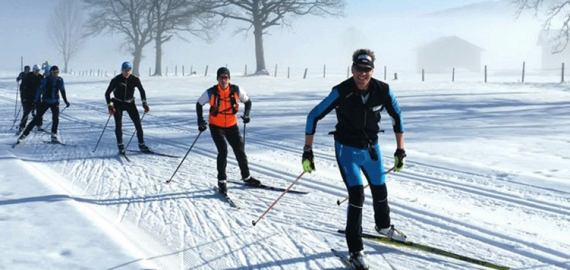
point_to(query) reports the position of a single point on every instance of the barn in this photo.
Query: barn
(446, 53)
(553, 52)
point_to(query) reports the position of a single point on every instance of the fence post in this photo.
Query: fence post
(166, 71)
(453, 75)
(305, 75)
(522, 79)
(395, 75)
(562, 73)
(288, 72)
(245, 72)
(206, 73)
(348, 72)
(423, 75)
(182, 70)
(176, 70)
(485, 73)
(385, 73)
(275, 71)
(149, 72)
(21, 63)
(324, 71)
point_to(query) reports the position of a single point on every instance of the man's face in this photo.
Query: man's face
(36, 71)
(126, 73)
(362, 76)
(224, 80)
(55, 73)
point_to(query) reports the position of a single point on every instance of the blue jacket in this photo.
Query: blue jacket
(50, 89)
(358, 115)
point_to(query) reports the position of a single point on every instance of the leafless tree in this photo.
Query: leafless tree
(262, 14)
(65, 29)
(133, 18)
(175, 16)
(557, 16)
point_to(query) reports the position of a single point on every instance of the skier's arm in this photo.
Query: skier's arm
(141, 90)
(62, 91)
(394, 111)
(110, 89)
(40, 91)
(321, 111)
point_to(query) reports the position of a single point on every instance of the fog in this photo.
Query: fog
(393, 31)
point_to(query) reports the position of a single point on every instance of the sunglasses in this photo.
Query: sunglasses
(362, 69)
(126, 70)
(224, 77)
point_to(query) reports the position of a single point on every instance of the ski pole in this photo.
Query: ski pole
(168, 181)
(339, 202)
(16, 118)
(16, 103)
(134, 132)
(52, 121)
(254, 222)
(244, 136)
(102, 133)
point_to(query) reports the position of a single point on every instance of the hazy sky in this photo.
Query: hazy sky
(391, 28)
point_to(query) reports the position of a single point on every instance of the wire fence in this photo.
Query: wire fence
(487, 74)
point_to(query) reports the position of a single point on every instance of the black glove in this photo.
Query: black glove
(245, 118)
(202, 125)
(308, 163)
(67, 104)
(399, 159)
(145, 107)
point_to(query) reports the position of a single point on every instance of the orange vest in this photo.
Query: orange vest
(222, 110)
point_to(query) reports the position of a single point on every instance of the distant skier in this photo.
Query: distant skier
(224, 101)
(47, 97)
(358, 102)
(123, 89)
(22, 74)
(46, 68)
(30, 85)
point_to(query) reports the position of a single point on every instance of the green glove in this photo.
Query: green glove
(308, 163)
(399, 159)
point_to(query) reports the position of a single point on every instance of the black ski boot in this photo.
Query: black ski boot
(250, 181)
(144, 148)
(121, 147)
(223, 187)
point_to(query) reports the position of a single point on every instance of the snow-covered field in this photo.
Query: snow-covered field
(486, 177)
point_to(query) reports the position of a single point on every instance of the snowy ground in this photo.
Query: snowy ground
(486, 177)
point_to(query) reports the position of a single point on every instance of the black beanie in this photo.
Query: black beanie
(223, 70)
(54, 68)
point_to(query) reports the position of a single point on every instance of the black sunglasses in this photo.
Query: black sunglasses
(363, 69)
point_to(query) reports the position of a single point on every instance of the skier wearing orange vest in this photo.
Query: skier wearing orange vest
(224, 99)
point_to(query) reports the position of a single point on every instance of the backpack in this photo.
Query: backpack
(215, 109)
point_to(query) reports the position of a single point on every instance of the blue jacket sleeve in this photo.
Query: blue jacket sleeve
(395, 113)
(321, 111)
(40, 91)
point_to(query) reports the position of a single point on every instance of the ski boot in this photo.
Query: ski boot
(121, 147)
(357, 260)
(223, 187)
(392, 233)
(54, 138)
(250, 181)
(144, 148)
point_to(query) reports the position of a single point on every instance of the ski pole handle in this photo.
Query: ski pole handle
(266, 211)
(339, 201)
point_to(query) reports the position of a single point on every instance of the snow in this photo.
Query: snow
(486, 177)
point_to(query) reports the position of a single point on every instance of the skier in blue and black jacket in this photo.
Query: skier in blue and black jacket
(358, 102)
(47, 97)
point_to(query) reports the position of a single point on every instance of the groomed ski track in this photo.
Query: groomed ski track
(185, 225)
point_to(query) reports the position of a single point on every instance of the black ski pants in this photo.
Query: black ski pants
(27, 106)
(131, 109)
(41, 109)
(232, 135)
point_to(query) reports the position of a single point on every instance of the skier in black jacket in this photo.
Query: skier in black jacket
(358, 102)
(123, 89)
(30, 85)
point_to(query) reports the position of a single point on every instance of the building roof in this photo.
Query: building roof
(450, 41)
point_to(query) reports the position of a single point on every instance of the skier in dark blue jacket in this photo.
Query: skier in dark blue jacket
(47, 97)
(358, 102)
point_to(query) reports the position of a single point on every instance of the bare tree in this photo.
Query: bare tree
(557, 15)
(262, 14)
(174, 16)
(133, 18)
(65, 29)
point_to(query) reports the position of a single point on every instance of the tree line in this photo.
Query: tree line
(141, 22)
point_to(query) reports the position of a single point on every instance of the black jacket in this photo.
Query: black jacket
(30, 85)
(123, 89)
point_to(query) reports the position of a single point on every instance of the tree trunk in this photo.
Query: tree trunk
(137, 54)
(158, 63)
(259, 55)
(65, 62)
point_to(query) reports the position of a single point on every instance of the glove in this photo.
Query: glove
(67, 104)
(145, 106)
(245, 118)
(202, 125)
(399, 159)
(111, 108)
(308, 164)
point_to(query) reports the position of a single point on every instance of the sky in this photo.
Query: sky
(486, 176)
(394, 29)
